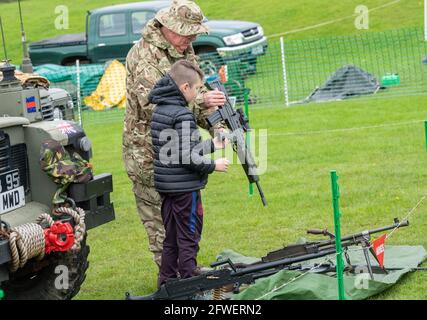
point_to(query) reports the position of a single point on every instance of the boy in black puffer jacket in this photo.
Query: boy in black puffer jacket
(180, 168)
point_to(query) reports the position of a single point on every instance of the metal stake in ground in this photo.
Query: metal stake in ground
(340, 262)
(425, 130)
(79, 105)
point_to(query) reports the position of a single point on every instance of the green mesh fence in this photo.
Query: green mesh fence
(394, 58)
(260, 74)
(65, 77)
(286, 72)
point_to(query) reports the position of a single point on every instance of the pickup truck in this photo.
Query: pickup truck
(111, 31)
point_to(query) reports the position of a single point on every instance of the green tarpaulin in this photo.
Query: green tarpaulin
(295, 285)
(66, 76)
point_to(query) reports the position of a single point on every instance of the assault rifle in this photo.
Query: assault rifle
(238, 124)
(236, 275)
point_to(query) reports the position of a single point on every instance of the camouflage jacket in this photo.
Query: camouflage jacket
(147, 61)
(63, 168)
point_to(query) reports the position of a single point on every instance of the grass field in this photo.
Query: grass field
(382, 169)
(382, 175)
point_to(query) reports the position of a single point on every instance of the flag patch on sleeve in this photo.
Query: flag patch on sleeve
(31, 104)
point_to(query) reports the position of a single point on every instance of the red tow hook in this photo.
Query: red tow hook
(59, 237)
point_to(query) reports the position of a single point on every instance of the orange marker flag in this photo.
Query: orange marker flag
(379, 247)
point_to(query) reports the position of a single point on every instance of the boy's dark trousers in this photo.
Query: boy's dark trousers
(182, 216)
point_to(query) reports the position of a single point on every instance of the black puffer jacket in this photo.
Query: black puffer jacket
(179, 164)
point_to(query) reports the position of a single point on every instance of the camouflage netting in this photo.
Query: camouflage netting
(63, 168)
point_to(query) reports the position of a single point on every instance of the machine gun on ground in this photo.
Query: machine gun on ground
(362, 238)
(285, 258)
(238, 124)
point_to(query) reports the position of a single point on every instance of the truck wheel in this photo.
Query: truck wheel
(36, 281)
(72, 61)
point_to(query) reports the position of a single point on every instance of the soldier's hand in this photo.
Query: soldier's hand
(214, 99)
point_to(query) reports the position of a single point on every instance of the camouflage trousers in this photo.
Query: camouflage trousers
(149, 204)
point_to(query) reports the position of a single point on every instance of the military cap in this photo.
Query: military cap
(183, 17)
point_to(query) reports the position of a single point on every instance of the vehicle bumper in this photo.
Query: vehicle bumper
(94, 198)
(255, 48)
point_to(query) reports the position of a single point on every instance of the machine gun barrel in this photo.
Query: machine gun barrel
(279, 264)
(317, 246)
(352, 238)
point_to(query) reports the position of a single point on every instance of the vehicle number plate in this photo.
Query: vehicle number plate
(12, 195)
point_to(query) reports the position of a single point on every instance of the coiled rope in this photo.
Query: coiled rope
(27, 241)
(78, 215)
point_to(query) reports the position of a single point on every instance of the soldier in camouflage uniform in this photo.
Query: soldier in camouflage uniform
(165, 39)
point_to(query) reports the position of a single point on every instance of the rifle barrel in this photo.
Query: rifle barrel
(237, 125)
(352, 237)
(283, 262)
(369, 232)
(261, 193)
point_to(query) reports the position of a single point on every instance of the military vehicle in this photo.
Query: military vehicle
(61, 100)
(62, 103)
(26, 192)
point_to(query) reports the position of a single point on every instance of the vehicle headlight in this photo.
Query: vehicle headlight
(70, 104)
(57, 113)
(260, 31)
(233, 39)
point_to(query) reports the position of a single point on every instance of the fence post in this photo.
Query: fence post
(79, 107)
(337, 214)
(285, 79)
(425, 130)
(425, 20)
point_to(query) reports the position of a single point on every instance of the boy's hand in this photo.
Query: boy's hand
(221, 164)
(220, 143)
